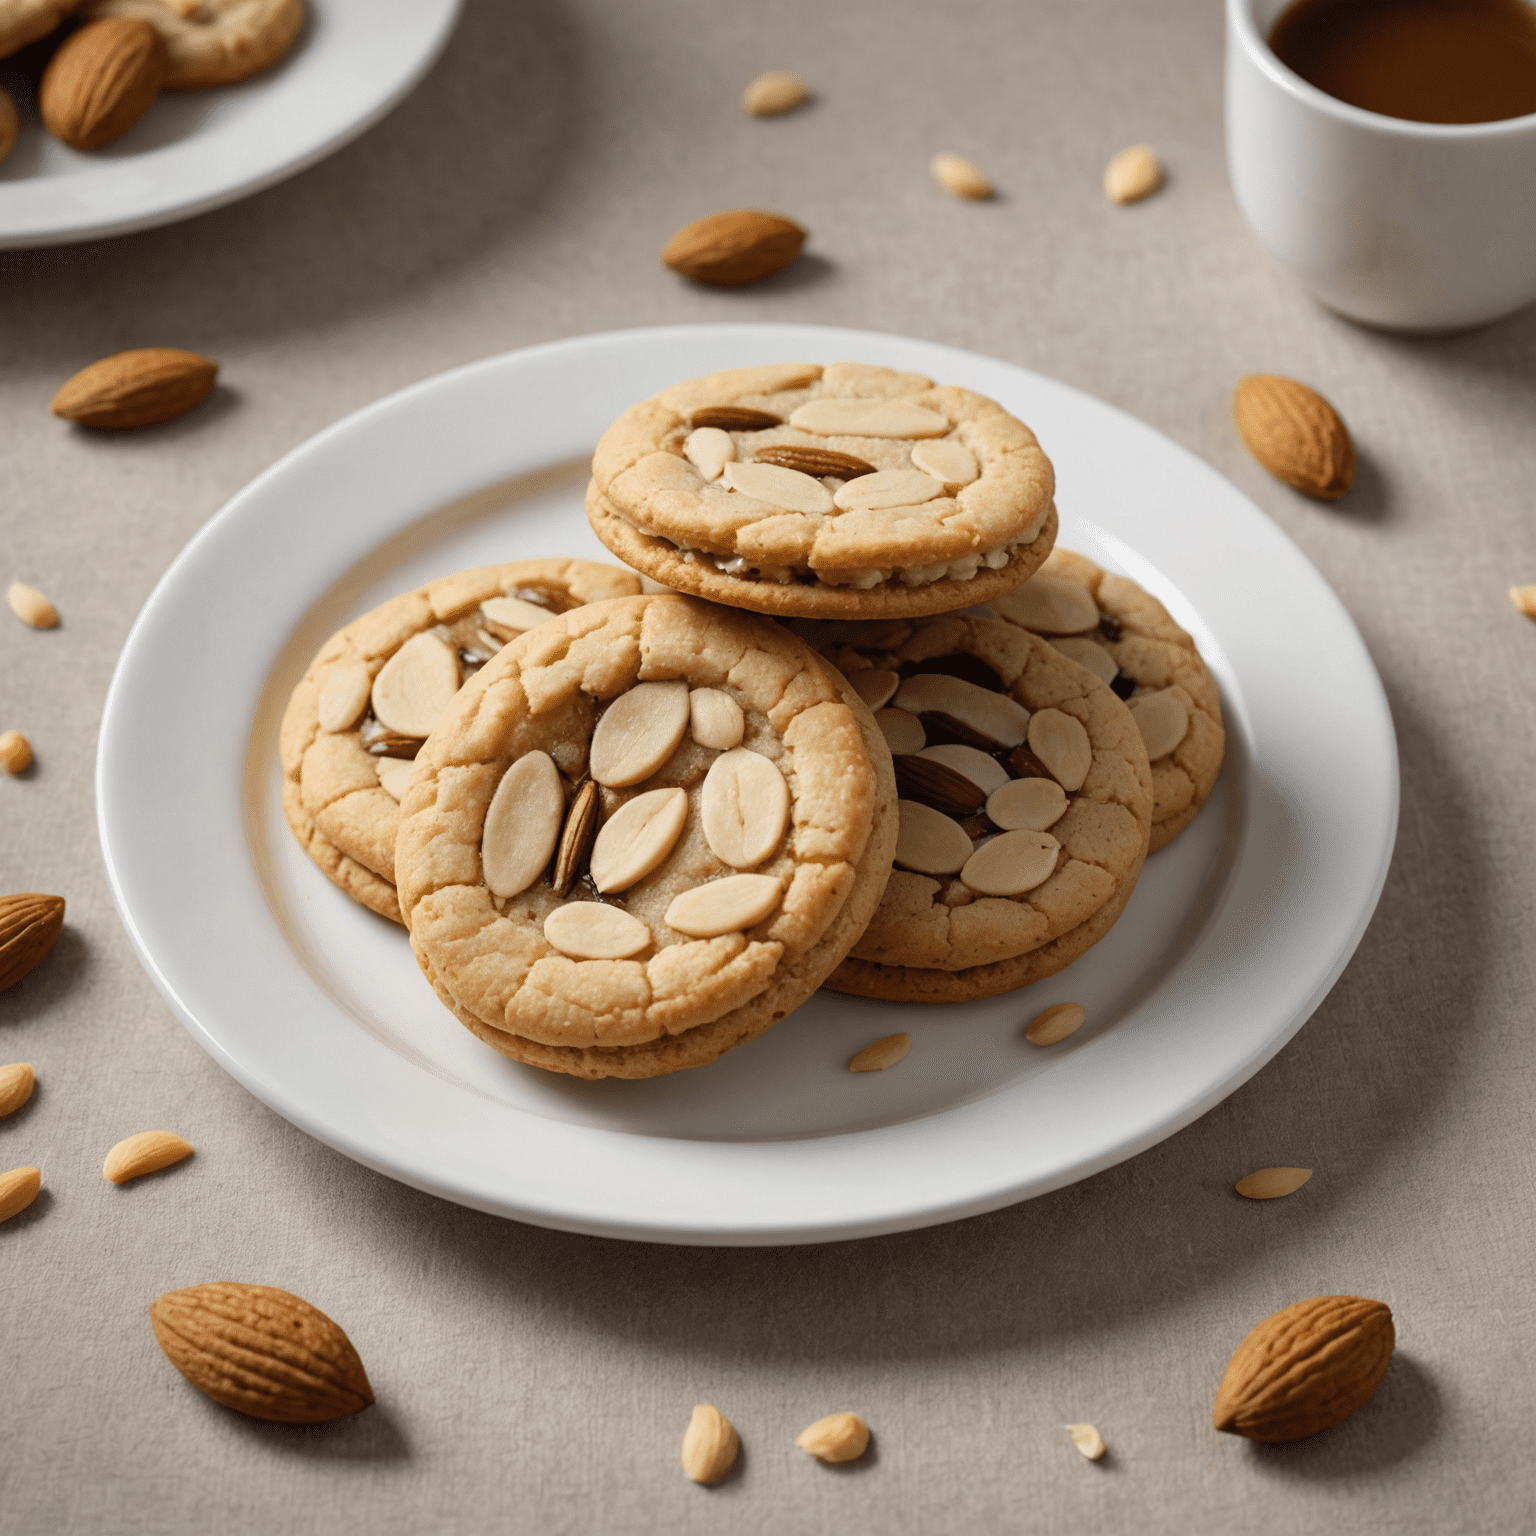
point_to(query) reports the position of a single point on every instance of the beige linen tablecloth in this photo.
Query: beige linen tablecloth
(531, 1381)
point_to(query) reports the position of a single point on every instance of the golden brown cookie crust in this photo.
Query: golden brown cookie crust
(216, 42)
(343, 819)
(682, 1001)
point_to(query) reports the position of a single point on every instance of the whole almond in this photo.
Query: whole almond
(15, 752)
(935, 784)
(734, 418)
(262, 1351)
(1272, 1183)
(777, 91)
(1295, 434)
(1524, 598)
(148, 1152)
(16, 1084)
(136, 389)
(1305, 1369)
(710, 1444)
(815, 461)
(838, 1437)
(18, 1189)
(1056, 1023)
(10, 124)
(575, 850)
(885, 1052)
(1133, 174)
(729, 250)
(102, 81)
(30, 924)
(1088, 1442)
(31, 606)
(960, 177)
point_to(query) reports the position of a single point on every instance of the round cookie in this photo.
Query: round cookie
(641, 835)
(1123, 633)
(24, 21)
(343, 768)
(1025, 805)
(845, 491)
(214, 42)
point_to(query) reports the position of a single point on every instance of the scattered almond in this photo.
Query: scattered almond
(589, 930)
(960, 177)
(838, 1437)
(18, 1189)
(16, 1084)
(637, 838)
(730, 250)
(775, 92)
(883, 1053)
(1010, 864)
(576, 840)
(1133, 174)
(638, 732)
(1524, 598)
(1305, 1369)
(1295, 434)
(731, 905)
(148, 1152)
(1061, 742)
(30, 925)
(10, 124)
(102, 80)
(1163, 720)
(1056, 1023)
(31, 607)
(1271, 1183)
(137, 389)
(710, 1444)
(522, 824)
(1089, 1442)
(262, 1351)
(715, 719)
(15, 752)
(744, 807)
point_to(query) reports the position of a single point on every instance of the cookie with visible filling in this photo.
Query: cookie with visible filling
(844, 491)
(373, 692)
(1025, 805)
(642, 834)
(1121, 632)
(213, 42)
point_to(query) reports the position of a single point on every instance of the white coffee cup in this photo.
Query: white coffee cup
(1408, 226)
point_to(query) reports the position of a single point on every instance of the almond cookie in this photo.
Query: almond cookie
(641, 835)
(24, 21)
(372, 693)
(214, 42)
(1121, 632)
(846, 491)
(1025, 804)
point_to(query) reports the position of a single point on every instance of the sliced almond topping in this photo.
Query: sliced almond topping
(709, 450)
(1062, 744)
(31, 607)
(638, 732)
(637, 839)
(882, 1054)
(731, 905)
(1056, 1023)
(903, 733)
(983, 771)
(946, 459)
(928, 842)
(846, 416)
(588, 930)
(716, 719)
(522, 824)
(509, 617)
(1133, 174)
(779, 487)
(1050, 606)
(960, 177)
(394, 774)
(1090, 654)
(415, 685)
(875, 686)
(1272, 1183)
(993, 716)
(344, 697)
(935, 784)
(745, 805)
(1011, 864)
(1027, 805)
(1088, 1441)
(1163, 720)
(888, 488)
(148, 1152)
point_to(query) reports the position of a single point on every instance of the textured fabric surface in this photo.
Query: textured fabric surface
(530, 1381)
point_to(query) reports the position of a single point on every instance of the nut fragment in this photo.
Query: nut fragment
(1061, 743)
(522, 824)
(744, 807)
(985, 772)
(588, 930)
(933, 783)
(734, 418)
(927, 841)
(15, 752)
(1088, 1441)
(1089, 654)
(1050, 605)
(1524, 598)
(960, 177)
(815, 461)
(30, 924)
(731, 905)
(715, 719)
(345, 696)
(709, 450)
(1056, 1023)
(1011, 864)
(996, 719)
(1027, 805)
(729, 250)
(888, 488)
(779, 487)
(883, 1053)
(875, 686)
(576, 841)
(637, 838)
(508, 617)
(710, 1444)
(148, 1152)
(1295, 434)
(16, 1084)
(102, 80)
(415, 685)
(1272, 1183)
(848, 416)
(1133, 174)
(775, 92)
(838, 1437)
(31, 607)
(394, 774)
(135, 389)
(638, 732)
(18, 1189)
(946, 459)
(903, 732)
(1163, 720)
(379, 741)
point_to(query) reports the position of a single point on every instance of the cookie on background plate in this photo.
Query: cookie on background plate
(373, 692)
(213, 42)
(1025, 809)
(641, 835)
(846, 491)
(1120, 631)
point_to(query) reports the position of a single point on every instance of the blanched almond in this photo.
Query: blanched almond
(993, 716)
(1524, 598)
(18, 1189)
(927, 841)
(779, 487)
(710, 1445)
(394, 774)
(777, 91)
(16, 1084)
(946, 459)
(31, 607)
(588, 930)
(744, 805)
(960, 177)
(884, 1053)
(344, 696)
(1090, 654)
(1133, 174)
(1061, 743)
(638, 732)
(415, 685)
(837, 1438)
(888, 488)
(1011, 864)
(731, 905)
(1050, 605)
(709, 450)
(637, 838)
(875, 686)
(1027, 805)
(715, 719)
(1056, 1023)
(1272, 1183)
(15, 752)
(508, 617)
(848, 416)
(522, 824)
(904, 733)
(1088, 1442)
(148, 1152)
(1163, 720)
(985, 772)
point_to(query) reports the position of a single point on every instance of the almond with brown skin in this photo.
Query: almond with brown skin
(262, 1351)
(734, 418)
(936, 784)
(102, 81)
(815, 461)
(10, 124)
(1295, 434)
(30, 924)
(1305, 1369)
(137, 389)
(729, 250)
(576, 841)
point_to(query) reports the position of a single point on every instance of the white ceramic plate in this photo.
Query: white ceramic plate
(1233, 937)
(197, 150)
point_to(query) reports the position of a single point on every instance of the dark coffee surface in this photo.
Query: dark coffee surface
(1431, 61)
